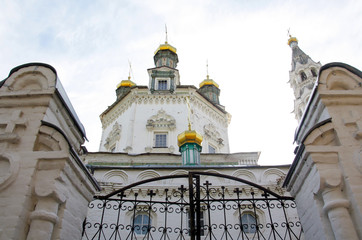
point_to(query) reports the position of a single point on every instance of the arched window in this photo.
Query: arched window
(314, 73)
(141, 223)
(303, 76)
(248, 222)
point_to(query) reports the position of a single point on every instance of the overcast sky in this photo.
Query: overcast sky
(89, 43)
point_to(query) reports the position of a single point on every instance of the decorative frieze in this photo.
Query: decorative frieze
(178, 98)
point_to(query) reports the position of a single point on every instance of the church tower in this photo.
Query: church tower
(148, 119)
(302, 77)
(165, 76)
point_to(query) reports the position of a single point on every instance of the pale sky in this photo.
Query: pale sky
(89, 43)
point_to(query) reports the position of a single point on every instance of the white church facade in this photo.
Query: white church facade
(140, 142)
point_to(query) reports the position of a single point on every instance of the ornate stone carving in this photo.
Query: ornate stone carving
(9, 168)
(210, 132)
(113, 136)
(161, 121)
(9, 124)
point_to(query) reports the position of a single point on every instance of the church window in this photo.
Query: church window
(248, 222)
(212, 149)
(314, 73)
(141, 224)
(160, 140)
(303, 76)
(162, 85)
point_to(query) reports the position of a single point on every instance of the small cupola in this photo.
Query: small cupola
(189, 143)
(166, 55)
(124, 87)
(210, 89)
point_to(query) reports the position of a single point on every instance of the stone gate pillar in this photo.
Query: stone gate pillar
(44, 186)
(326, 175)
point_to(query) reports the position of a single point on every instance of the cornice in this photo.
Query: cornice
(142, 96)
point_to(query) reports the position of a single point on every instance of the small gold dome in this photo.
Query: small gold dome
(292, 39)
(208, 81)
(166, 46)
(189, 137)
(126, 83)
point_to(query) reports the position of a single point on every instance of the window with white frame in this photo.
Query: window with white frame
(248, 222)
(212, 149)
(160, 140)
(141, 223)
(162, 85)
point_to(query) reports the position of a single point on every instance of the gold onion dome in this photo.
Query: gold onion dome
(190, 136)
(165, 46)
(126, 83)
(292, 39)
(208, 81)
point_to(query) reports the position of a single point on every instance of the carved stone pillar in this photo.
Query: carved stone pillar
(330, 187)
(50, 194)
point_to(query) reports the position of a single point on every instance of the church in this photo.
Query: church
(147, 127)
(164, 169)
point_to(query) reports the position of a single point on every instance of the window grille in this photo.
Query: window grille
(161, 140)
(162, 85)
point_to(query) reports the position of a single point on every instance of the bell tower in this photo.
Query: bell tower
(302, 77)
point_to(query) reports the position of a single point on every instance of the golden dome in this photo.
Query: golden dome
(166, 46)
(208, 81)
(126, 83)
(190, 136)
(292, 39)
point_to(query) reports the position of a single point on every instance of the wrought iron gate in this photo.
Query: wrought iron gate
(191, 207)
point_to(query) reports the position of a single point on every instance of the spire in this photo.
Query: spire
(298, 56)
(301, 77)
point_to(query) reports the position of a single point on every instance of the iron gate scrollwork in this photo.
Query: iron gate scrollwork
(191, 207)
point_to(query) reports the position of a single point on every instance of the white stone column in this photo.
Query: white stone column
(335, 203)
(49, 195)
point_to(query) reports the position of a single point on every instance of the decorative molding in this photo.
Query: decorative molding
(10, 123)
(161, 121)
(176, 98)
(211, 133)
(244, 174)
(113, 136)
(9, 165)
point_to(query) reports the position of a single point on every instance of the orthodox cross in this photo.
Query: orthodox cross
(130, 70)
